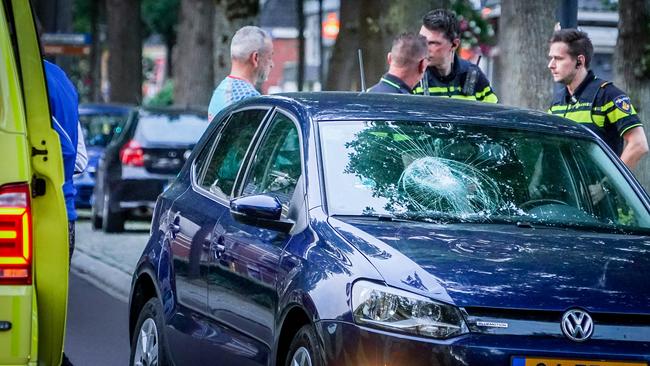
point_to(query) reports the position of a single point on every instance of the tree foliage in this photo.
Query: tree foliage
(161, 17)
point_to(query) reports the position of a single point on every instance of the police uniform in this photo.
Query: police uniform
(466, 81)
(601, 106)
(390, 84)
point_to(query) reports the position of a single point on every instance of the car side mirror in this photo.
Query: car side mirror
(260, 210)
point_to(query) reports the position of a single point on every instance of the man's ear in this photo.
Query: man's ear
(255, 58)
(389, 58)
(455, 43)
(422, 65)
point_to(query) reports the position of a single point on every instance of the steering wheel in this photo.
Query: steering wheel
(540, 202)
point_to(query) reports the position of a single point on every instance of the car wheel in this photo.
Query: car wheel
(95, 219)
(149, 346)
(304, 349)
(112, 222)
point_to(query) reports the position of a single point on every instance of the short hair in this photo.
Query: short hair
(444, 21)
(577, 41)
(247, 40)
(408, 49)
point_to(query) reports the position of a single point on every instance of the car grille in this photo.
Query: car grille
(607, 326)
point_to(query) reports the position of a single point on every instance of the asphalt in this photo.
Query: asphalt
(108, 260)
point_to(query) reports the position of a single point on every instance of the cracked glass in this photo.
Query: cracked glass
(445, 172)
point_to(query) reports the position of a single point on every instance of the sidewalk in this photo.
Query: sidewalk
(108, 260)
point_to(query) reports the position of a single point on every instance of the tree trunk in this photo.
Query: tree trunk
(300, 75)
(522, 77)
(340, 75)
(193, 75)
(375, 37)
(97, 15)
(371, 25)
(125, 48)
(230, 16)
(632, 68)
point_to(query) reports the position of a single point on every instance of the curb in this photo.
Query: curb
(113, 281)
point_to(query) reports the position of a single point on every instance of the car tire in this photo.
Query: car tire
(149, 344)
(112, 222)
(304, 349)
(95, 219)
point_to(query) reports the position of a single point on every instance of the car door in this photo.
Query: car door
(193, 218)
(244, 271)
(33, 257)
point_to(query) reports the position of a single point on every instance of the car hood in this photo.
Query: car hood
(505, 266)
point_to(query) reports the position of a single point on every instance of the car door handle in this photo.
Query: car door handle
(218, 248)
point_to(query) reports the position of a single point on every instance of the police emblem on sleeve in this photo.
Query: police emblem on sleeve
(623, 103)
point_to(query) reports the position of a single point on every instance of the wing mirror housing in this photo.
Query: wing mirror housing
(260, 210)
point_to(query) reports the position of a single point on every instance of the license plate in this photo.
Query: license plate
(537, 361)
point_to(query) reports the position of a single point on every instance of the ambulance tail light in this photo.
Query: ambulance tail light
(15, 235)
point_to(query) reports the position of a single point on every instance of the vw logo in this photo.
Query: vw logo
(577, 325)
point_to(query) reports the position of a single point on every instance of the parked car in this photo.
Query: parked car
(33, 220)
(140, 161)
(99, 122)
(376, 229)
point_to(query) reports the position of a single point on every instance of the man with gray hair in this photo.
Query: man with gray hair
(251, 52)
(407, 61)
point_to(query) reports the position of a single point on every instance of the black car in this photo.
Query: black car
(144, 155)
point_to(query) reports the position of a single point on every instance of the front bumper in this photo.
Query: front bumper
(349, 344)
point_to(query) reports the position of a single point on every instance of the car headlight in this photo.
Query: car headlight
(393, 309)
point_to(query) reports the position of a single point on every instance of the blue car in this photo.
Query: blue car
(98, 122)
(371, 229)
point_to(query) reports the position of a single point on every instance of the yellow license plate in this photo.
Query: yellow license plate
(537, 361)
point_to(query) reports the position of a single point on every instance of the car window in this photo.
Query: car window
(231, 146)
(276, 167)
(98, 129)
(465, 173)
(549, 171)
(606, 190)
(169, 128)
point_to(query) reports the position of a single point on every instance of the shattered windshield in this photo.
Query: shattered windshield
(467, 173)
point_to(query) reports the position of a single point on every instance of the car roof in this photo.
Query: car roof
(342, 106)
(104, 108)
(173, 110)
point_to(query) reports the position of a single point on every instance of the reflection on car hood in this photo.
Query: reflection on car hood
(510, 267)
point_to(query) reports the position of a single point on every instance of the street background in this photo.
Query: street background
(102, 265)
(148, 51)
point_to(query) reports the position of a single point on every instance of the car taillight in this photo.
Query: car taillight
(15, 235)
(132, 154)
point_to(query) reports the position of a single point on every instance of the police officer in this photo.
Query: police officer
(591, 101)
(447, 74)
(407, 61)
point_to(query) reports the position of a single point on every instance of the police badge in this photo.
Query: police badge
(623, 103)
